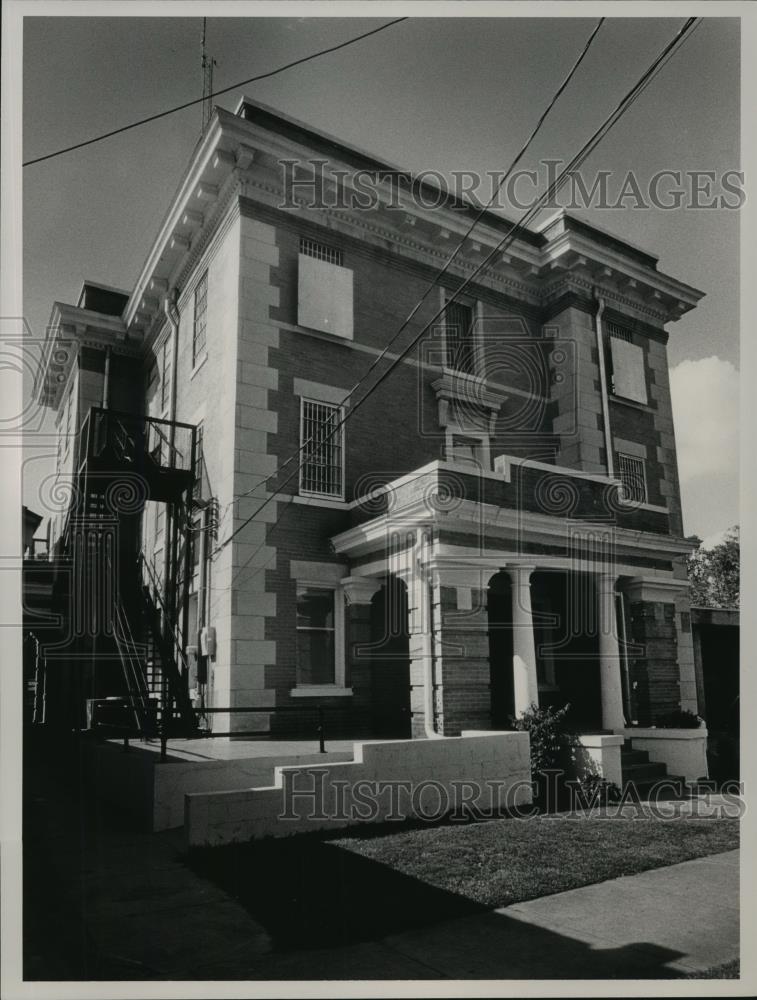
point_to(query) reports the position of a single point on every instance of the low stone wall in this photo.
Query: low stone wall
(152, 791)
(387, 781)
(605, 752)
(683, 751)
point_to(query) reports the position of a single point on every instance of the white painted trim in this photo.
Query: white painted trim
(560, 470)
(317, 501)
(632, 448)
(319, 392)
(317, 574)
(502, 521)
(454, 430)
(199, 365)
(321, 691)
(340, 659)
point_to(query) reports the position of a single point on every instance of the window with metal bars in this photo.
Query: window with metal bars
(321, 252)
(458, 337)
(322, 443)
(200, 319)
(633, 476)
(621, 332)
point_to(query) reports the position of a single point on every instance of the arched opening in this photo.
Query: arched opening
(390, 662)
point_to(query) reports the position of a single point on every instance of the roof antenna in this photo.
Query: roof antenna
(208, 62)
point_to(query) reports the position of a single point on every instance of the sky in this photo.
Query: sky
(429, 94)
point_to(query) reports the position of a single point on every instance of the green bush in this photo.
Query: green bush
(681, 718)
(560, 764)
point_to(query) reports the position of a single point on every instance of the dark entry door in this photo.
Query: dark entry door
(567, 647)
(501, 652)
(390, 663)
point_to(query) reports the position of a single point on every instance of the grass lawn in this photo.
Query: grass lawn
(728, 970)
(508, 861)
(313, 891)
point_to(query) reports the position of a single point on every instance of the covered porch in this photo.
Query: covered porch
(508, 608)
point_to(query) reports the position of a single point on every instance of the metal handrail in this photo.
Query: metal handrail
(155, 582)
(177, 456)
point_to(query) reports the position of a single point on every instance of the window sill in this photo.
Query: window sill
(631, 402)
(198, 366)
(318, 501)
(320, 691)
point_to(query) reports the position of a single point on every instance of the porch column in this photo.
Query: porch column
(525, 682)
(609, 654)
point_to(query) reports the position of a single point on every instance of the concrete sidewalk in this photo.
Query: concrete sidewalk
(104, 901)
(659, 924)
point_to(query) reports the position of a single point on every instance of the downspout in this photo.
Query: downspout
(603, 382)
(427, 625)
(106, 380)
(172, 315)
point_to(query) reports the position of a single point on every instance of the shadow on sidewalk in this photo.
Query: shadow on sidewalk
(103, 900)
(316, 896)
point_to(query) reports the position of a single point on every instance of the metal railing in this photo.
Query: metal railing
(126, 733)
(170, 444)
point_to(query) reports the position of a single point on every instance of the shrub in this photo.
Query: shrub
(559, 761)
(681, 718)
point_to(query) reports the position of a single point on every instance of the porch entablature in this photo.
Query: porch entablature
(492, 513)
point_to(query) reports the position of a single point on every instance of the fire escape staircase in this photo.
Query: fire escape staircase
(154, 695)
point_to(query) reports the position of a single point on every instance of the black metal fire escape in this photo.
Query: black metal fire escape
(132, 624)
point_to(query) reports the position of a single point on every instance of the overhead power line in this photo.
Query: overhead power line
(579, 158)
(444, 269)
(440, 274)
(217, 93)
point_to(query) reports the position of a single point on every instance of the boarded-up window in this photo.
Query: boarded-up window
(628, 370)
(324, 292)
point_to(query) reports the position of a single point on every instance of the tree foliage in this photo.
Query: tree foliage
(714, 573)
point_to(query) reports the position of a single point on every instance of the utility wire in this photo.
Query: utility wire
(440, 274)
(216, 93)
(626, 102)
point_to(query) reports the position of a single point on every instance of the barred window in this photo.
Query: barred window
(322, 443)
(200, 319)
(633, 477)
(312, 249)
(621, 332)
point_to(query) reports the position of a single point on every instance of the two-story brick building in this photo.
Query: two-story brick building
(498, 524)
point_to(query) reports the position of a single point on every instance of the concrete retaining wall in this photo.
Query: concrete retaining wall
(684, 751)
(152, 791)
(605, 752)
(424, 775)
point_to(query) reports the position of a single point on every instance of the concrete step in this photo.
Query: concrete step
(628, 757)
(649, 789)
(643, 771)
